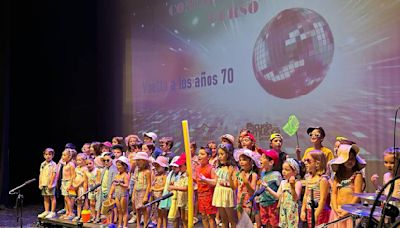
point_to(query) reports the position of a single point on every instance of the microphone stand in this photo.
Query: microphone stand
(19, 204)
(166, 196)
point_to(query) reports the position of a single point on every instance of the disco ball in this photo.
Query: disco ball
(293, 52)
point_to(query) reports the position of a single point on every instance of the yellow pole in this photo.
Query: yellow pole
(185, 129)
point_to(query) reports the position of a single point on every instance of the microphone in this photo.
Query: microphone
(257, 193)
(91, 189)
(166, 196)
(30, 181)
(12, 191)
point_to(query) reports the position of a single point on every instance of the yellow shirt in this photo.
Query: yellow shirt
(328, 153)
(104, 182)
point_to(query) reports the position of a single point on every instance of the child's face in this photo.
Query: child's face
(80, 161)
(120, 167)
(147, 139)
(114, 141)
(203, 157)
(86, 149)
(213, 148)
(192, 149)
(48, 156)
(90, 165)
(163, 146)
(141, 163)
(222, 156)
(91, 148)
(316, 137)
(145, 148)
(388, 160)
(107, 161)
(132, 141)
(266, 162)
(247, 143)
(159, 168)
(245, 162)
(287, 171)
(182, 168)
(310, 164)
(351, 162)
(66, 157)
(117, 153)
(175, 169)
(276, 144)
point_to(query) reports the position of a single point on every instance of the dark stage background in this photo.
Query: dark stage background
(60, 83)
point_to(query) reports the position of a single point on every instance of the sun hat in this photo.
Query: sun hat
(172, 163)
(251, 154)
(141, 156)
(228, 137)
(343, 156)
(272, 154)
(310, 129)
(131, 136)
(125, 160)
(162, 161)
(181, 160)
(151, 135)
(275, 135)
(107, 144)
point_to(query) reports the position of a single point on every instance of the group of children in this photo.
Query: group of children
(234, 181)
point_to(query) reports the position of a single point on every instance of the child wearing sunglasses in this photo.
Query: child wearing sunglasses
(317, 135)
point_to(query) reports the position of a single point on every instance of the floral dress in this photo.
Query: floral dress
(288, 208)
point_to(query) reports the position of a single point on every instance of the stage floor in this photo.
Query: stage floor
(8, 218)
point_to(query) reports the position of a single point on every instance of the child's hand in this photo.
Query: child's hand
(50, 186)
(375, 179)
(303, 215)
(231, 170)
(202, 178)
(292, 181)
(144, 201)
(298, 151)
(170, 188)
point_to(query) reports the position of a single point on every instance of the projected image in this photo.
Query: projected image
(224, 65)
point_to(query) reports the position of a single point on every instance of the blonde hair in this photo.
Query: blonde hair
(321, 158)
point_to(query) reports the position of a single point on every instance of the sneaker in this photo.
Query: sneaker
(195, 220)
(152, 225)
(132, 220)
(51, 215)
(62, 211)
(76, 219)
(43, 214)
(69, 217)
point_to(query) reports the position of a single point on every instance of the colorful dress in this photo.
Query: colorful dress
(243, 195)
(92, 179)
(288, 208)
(172, 177)
(205, 191)
(223, 193)
(315, 185)
(140, 188)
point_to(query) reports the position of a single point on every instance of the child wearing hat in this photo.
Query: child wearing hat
(289, 193)
(181, 188)
(160, 177)
(348, 180)
(142, 187)
(270, 180)
(245, 181)
(275, 143)
(119, 189)
(317, 135)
